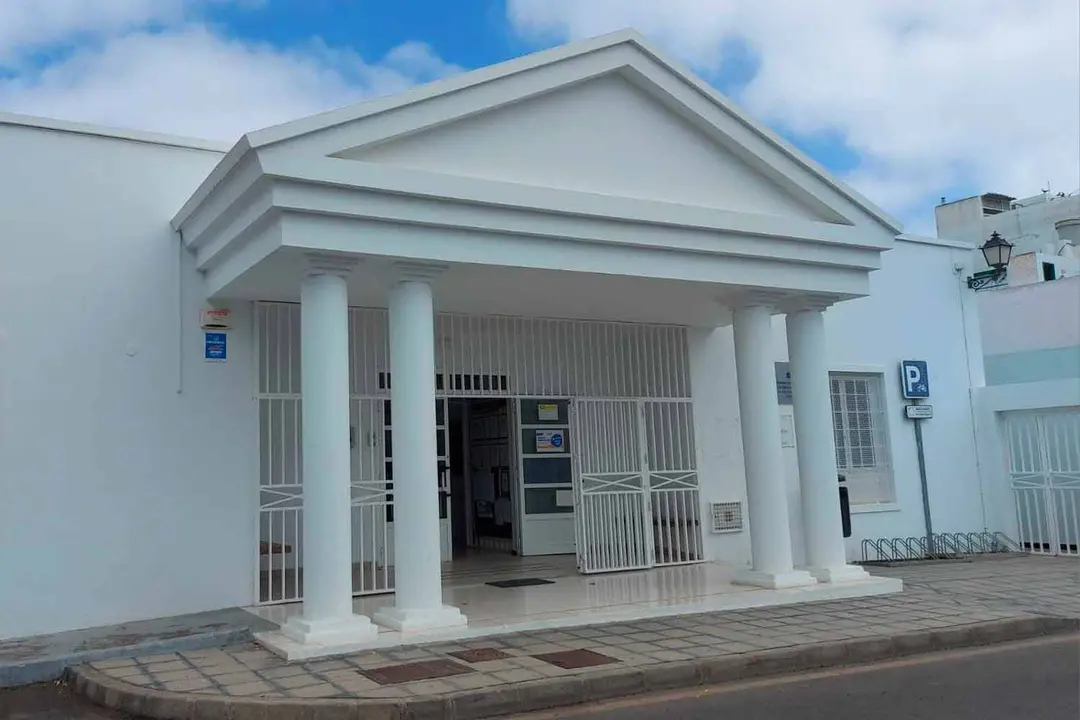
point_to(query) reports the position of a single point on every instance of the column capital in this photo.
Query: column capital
(771, 299)
(330, 263)
(810, 302)
(407, 270)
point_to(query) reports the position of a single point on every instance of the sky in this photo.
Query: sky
(906, 100)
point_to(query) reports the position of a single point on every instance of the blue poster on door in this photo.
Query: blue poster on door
(215, 348)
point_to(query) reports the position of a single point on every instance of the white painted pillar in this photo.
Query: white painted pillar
(759, 413)
(818, 485)
(418, 603)
(327, 618)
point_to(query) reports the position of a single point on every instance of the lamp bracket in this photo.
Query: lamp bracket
(995, 277)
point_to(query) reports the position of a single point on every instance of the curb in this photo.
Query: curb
(562, 691)
(45, 669)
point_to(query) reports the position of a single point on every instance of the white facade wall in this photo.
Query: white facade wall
(129, 466)
(917, 311)
(125, 472)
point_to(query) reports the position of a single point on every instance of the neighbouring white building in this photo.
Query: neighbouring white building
(1030, 326)
(538, 309)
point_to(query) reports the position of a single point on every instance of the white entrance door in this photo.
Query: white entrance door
(614, 520)
(1044, 473)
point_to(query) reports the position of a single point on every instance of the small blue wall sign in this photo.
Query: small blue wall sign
(215, 347)
(914, 379)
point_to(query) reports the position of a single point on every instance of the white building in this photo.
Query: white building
(579, 267)
(1030, 321)
(1044, 230)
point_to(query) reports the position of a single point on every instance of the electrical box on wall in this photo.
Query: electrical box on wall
(215, 319)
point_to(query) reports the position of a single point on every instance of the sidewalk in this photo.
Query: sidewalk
(951, 604)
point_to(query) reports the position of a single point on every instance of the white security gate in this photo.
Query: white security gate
(636, 486)
(1044, 473)
(659, 519)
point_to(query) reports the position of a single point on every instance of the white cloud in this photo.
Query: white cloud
(930, 93)
(151, 68)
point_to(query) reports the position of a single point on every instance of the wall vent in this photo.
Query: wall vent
(727, 517)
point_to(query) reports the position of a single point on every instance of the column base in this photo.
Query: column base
(407, 620)
(301, 639)
(838, 573)
(348, 629)
(774, 581)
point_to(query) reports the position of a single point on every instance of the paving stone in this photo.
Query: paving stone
(473, 682)
(670, 655)
(249, 688)
(495, 665)
(327, 665)
(517, 675)
(226, 669)
(283, 672)
(122, 673)
(188, 685)
(322, 690)
(478, 655)
(674, 644)
(297, 681)
(178, 675)
(361, 685)
(237, 678)
(163, 667)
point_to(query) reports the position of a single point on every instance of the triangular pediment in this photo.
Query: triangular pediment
(602, 136)
(608, 116)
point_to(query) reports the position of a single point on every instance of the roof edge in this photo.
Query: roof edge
(104, 131)
(463, 81)
(936, 241)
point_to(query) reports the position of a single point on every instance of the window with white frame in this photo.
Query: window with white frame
(859, 426)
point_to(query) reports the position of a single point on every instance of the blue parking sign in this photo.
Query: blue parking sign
(914, 379)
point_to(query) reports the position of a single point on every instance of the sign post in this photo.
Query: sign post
(915, 384)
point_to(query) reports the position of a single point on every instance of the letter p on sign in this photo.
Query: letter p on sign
(914, 379)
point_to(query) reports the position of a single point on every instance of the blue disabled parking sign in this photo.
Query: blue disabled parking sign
(914, 379)
(215, 347)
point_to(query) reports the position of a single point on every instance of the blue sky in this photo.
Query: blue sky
(903, 99)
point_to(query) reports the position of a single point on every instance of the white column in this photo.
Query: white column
(818, 485)
(418, 602)
(759, 413)
(327, 618)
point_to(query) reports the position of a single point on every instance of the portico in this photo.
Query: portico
(451, 198)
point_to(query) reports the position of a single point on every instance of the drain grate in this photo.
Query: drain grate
(520, 582)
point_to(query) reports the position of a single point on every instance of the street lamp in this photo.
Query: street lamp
(997, 251)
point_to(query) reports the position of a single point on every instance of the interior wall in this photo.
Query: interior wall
(127, 463)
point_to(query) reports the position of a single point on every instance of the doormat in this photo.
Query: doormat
(520, 582)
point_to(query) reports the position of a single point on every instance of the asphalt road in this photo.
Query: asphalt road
(1034, 680)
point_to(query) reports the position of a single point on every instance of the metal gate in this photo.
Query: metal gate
(635, 484)
(1044, 474)
(481, 356)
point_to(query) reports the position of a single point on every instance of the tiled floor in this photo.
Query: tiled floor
(574, 599)
(248, 670)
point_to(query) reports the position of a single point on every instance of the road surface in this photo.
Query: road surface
(1033, 680)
